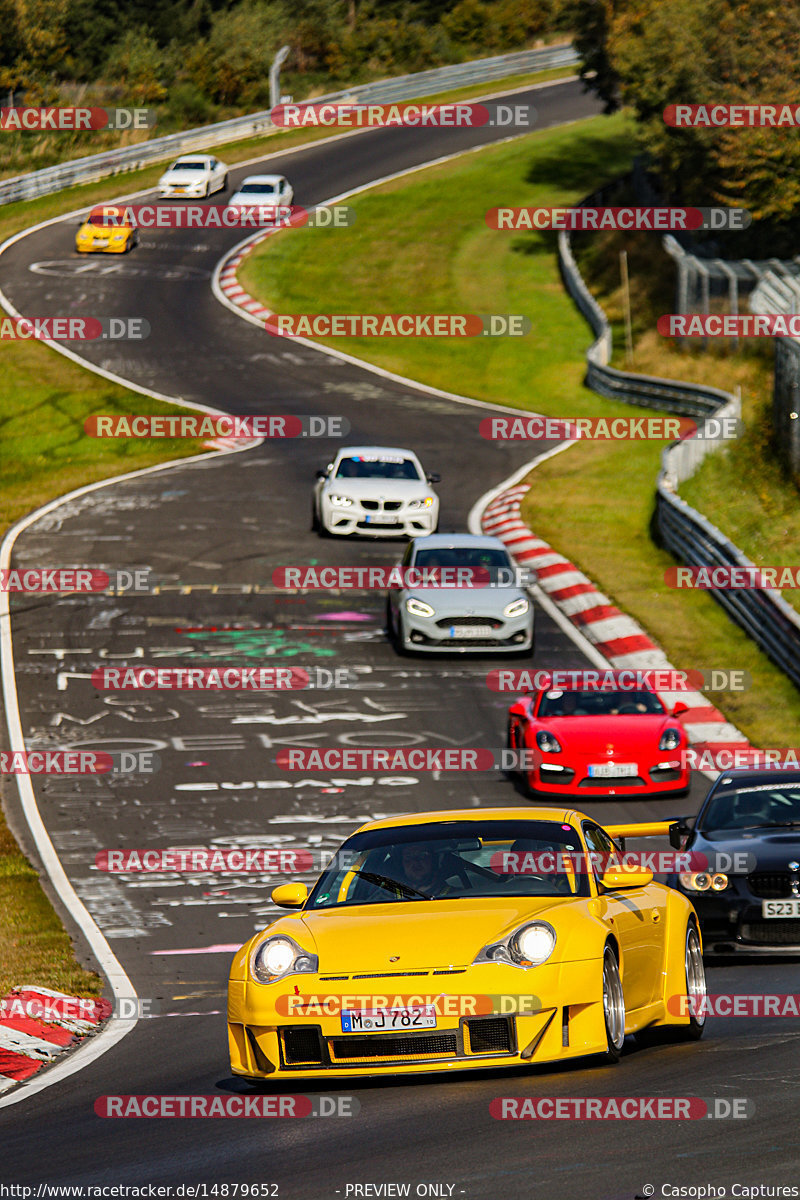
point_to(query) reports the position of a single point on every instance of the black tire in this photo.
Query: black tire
(613, 1006)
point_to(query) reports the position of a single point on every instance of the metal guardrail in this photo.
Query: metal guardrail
(404, 87)
(761, 612)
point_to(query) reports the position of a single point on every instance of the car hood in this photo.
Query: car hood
(772, 848)
(419, 934)
(254, 200)
(595, 734)
(464, 602)
(374, 489)
(182, 178)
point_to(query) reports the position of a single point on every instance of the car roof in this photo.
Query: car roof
(459, 541)
(563, 816)
(749, 775)
(353, 450)
(260, 179)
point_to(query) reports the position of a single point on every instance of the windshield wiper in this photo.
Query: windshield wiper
(392, 885)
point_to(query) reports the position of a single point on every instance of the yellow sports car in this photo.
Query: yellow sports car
(108, 229)
(466, 939)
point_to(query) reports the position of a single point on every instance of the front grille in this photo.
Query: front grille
(772, 933)
(390, 975)
(301, 1044)
(370, 505)
(490, 622)
(665, 774)
(377, 525)
(490, 1035)
(617, 781)
(392, 505)
(770, 885)
(354, 1049)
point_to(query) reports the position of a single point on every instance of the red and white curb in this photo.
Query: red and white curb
(617, 637)
(37, 1024)
(229, 284)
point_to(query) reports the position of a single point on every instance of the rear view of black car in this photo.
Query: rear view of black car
(748, 832)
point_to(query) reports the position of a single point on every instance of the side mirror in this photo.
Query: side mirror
(679, 708)
(290, 895)
(433, 477)
(612, 881)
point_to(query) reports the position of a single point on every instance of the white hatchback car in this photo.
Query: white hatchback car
(268, 190)
(375, 491)
(193, 176)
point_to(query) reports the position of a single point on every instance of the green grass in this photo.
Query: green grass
(420, 244)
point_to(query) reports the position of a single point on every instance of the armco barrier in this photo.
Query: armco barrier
(404, 87)
(761, 612)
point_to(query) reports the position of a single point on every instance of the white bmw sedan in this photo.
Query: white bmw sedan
(375, 491)
(193, 176)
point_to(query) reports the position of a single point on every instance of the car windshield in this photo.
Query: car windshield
(754, 807)
(107, 218)
(367, 466)
(188, 166)
(261, 188)
(461, 556)
(454, 860)
(558, 703)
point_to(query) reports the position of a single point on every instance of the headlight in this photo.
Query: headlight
(418, 608)
(426, 503)
(341, 501)
(517, 608)
(704, 881)
(532, 944)
(528, 946)
(670, 740)
(545, 741)
(276, 957)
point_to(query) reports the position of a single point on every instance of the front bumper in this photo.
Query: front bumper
(399, 522)
(97, 248)
(736, 923)
(563, 1019)
(570, 777)
(433, 634)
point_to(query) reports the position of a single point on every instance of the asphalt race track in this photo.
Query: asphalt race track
(212, 532)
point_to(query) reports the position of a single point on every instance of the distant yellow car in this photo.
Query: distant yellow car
(453, 940)
(107, 230)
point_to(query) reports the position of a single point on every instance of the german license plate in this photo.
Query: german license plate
(780, 908)
(100, 242)
(471, 631)
(612, 770)
(378, 1020)
(179, 189)
(381, 519)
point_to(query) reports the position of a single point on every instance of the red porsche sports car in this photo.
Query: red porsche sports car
(601, 743)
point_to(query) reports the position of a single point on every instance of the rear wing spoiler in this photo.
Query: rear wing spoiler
(671, 829)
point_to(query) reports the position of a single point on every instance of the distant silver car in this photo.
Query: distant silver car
(477, 619)
(375, 491)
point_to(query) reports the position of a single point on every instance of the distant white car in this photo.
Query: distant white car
(375, 491)
(194, 175)
(268, 190)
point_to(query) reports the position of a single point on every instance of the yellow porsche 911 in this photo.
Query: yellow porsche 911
(466, 939)
(108, 229)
